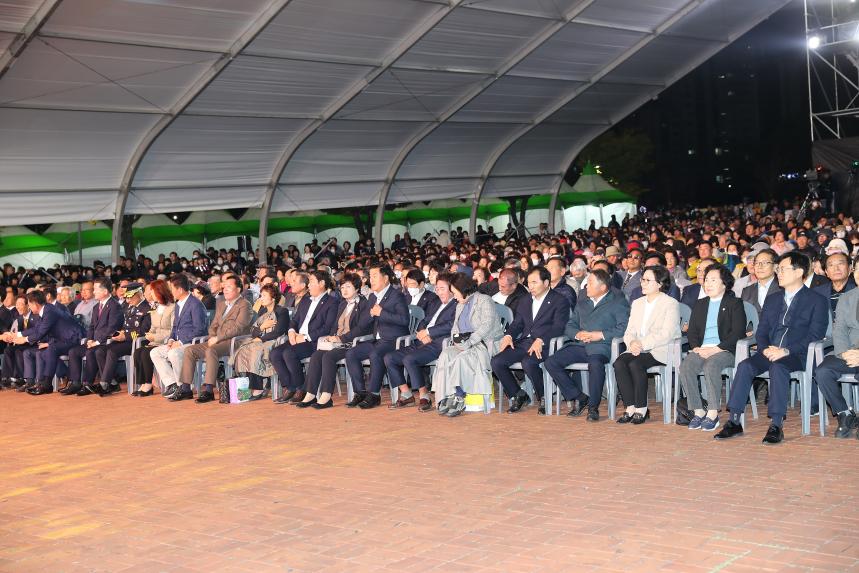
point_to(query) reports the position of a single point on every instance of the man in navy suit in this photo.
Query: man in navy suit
(389, 318)
(426, 347)
(55, 333)
(189, 322)
(790, 321)
(693, 292)
(596, 320)
(540, 318)
(107, 320)
(315, 316)
(416, 292)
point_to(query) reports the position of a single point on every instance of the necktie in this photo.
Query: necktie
(626, 280)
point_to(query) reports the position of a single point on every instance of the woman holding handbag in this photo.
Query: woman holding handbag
(251, 358)
(159, 296)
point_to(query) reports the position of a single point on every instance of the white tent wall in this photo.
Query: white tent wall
(181, 248)
(579, 217)
(35, 259)
(388, 232)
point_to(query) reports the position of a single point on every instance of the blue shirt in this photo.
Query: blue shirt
(465, 316)
(711, 329)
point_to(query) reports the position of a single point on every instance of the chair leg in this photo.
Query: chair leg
(486, 400)
(823, 412)
(805, 405)
(753, 400)
(275, 387)
(548, 391)
(611, 392)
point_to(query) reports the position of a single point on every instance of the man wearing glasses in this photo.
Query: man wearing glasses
(766, 283)
(630, 279)
(790, 321)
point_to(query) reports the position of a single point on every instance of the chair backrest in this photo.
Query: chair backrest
(751, 315)
(685, 315)
(828, 325)
(210, 315)
(504, 313)
(416, 315)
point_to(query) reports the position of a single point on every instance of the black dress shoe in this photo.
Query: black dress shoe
(579, 406)
(625, 419)
(845, 425)
(775, 435)
(303, 405)
(181, 394)
(109, 391)
(593, 414)
(84, 391)
(324, 405)
(519, 402)
(285, 398)
(729, 430)
(357, 398)
(204, 397)
(141, 393)
(170, 390)
(94, 388)
(370, 401)
(255, 397)
(40, 389)
(72, 388)
(640, 418)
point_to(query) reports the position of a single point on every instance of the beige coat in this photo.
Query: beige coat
(662, 327)
(162, 324)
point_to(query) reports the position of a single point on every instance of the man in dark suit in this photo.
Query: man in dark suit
(693, 292)
(837, 267)
(389, 315)
(510, 291)
(136, 322)
(766, 282)
(652, 259)
(540, 318)
(790, 321)
(627, 280)
(189, 322)
(557, 268)
(315, 317)
(13, 354)
(107, 320)
(418, 295)
(595, 321)
(55, 333)
(425, 348)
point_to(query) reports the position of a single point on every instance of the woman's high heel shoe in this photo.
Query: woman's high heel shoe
(306, 404)
(625, 419)
(143, 392)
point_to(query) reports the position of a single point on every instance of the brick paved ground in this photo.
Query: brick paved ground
(126, 484)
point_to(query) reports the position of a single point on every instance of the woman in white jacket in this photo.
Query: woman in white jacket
(654, 322)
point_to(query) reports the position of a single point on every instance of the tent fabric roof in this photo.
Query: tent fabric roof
(146, 107)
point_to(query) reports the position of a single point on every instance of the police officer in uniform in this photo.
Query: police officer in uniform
(136, 324)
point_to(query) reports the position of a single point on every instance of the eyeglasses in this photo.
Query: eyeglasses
(779, 270)
(764, 263)
(634, 257)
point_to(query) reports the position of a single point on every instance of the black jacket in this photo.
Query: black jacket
(731, 322)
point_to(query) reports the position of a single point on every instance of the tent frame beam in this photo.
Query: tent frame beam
(203, 81)
(623, 57)
(535, 43)
(415, 36)
(28, 32)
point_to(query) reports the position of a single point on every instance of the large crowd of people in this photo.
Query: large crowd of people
(518, 308)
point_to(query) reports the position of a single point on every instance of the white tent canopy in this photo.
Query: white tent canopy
(112, 107)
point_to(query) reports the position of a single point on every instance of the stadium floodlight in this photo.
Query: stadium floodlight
(814, 42)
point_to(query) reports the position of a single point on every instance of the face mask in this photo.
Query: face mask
(545, 256)
(220, 261)
(535, 262)
(840, 234)
(398, 274)
(414, 291)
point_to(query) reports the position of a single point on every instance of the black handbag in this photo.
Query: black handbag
(461, 337)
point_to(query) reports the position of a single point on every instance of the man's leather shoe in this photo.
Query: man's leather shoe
(204, 397)
(170, 390)
(775, 435)
(403, 403)
(303, 405)
(94, 388)
(181, 394)
(72, 388)
(357, 398)
(845, 425)
(640, 418)
(519, 401)
(425, 405)
(593, 414)
(297, 397)
(40, 389)
(577, 409)
(286, 396)
(729, 430)
(109, 391)
(84, 391)
(625, 419)
(370, 401)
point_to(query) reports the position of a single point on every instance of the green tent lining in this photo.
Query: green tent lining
(57, 242)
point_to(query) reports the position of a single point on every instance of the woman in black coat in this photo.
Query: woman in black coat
(717, 323)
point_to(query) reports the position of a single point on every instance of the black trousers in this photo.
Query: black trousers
(13, 360)
(143, 367)
(631, 375)
(826, 376)
(108, 359)
(322, 370)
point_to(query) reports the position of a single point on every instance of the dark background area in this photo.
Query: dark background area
(725, 132)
